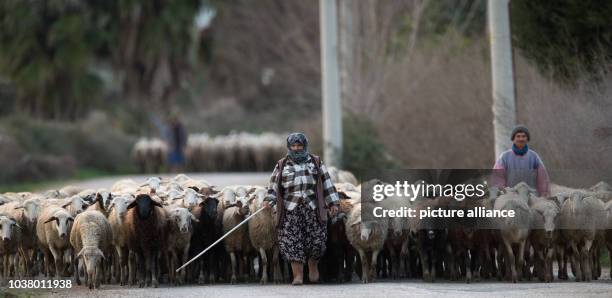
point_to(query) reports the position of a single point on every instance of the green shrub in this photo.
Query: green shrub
(362, 150)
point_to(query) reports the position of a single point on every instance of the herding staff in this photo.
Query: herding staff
(223, 237)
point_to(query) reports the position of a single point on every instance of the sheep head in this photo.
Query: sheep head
(62, 220)
(144, 205)
(182, 218)
(92, 258)
(105, 198)
(31, 208)
(601, 186)
(7, 224)
(76, 203)
(120, 204)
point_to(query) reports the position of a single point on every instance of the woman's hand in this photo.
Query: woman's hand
(333, 210)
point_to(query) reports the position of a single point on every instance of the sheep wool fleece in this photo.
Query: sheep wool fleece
(302, 235)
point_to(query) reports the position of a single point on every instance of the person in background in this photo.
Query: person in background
(177, 141)
(303, 191)
(521, 164)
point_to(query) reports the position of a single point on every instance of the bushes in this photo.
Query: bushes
(362, 150)
(34, 150)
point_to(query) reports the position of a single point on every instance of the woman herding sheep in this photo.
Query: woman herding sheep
(307, 192)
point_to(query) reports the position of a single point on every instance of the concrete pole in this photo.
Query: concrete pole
(347, 46)
(332, 112)
(504, 106)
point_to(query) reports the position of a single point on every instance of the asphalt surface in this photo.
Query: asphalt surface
(408, 288)
(383, 288)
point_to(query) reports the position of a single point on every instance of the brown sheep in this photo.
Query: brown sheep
(262, 233)
(237, 243)
(145, 224)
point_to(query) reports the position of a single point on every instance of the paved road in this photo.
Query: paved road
(410, 288)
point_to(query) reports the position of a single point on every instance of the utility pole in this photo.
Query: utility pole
(332, 110)
(504, 106)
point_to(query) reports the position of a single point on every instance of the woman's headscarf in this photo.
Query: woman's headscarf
(301, 155)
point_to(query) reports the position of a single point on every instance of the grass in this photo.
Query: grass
(81, 174)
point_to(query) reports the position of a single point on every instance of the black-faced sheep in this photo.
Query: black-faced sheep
(145, 224)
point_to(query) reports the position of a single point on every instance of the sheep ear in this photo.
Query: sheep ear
(52, 218)
(156, 203)
(100, 253)
(18, 207)
(131, 205)
(66, 205)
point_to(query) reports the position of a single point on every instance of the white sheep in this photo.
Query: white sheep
(366, 236)
(580, 219)
(179, 232)
(514, 230)
(9, 246)
(91, 237)
(53, 233)
(116, 218)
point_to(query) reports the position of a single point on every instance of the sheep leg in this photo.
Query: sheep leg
(425, 260)
(586, 260)
(3, 271)
(154, 265)
(373, 264)
(58, 258)
(452, 264)
(575, 262)
(131, 268)
(468, 266)
(404, 257)
(142, 268)
(185, 259)
(596, 270)
(500, 251)
(548, 276)
(122, 265)
(278, 276)
(202, 276)
(521, 260)
(510, 263)
(364, 265)
(560, 252)
(233, 260)
(394, 262)
(264, 265)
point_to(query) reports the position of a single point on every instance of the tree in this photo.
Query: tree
(564, 38)
(50, 51)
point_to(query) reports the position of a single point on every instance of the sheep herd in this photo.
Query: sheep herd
(140, 233)
(233, 152)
